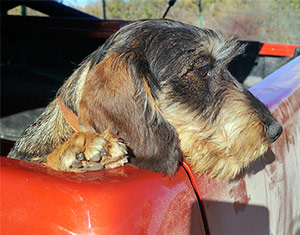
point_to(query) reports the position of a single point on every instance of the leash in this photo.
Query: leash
(68, 115)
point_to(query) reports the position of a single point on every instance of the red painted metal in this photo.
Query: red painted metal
(275, 49)
(126, 200)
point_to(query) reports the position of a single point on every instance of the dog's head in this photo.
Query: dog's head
(164, 87)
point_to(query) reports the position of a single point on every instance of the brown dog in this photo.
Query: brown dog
(157, 91)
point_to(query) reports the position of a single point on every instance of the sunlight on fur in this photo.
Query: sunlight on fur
(221, 149)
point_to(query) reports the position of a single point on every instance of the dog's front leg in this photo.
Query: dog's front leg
(88, 151)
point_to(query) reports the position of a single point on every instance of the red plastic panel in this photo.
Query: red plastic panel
(38, 200)
(274, 49)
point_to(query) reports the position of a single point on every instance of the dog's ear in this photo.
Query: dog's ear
(120, 93)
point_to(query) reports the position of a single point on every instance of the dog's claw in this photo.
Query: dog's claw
(102, 152)
(89, 151)
(96, 158)
(76, 164)
(95, 167)
(117, 163)
(79, 156)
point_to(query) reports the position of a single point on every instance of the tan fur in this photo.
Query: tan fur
(90, 145)
(126, 104)
(112, 79)
(218, 149)
(87, 141)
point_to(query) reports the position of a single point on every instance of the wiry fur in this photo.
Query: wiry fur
(163, 87)
(225, 147)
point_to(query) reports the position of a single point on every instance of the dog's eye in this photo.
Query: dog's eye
(202, 71)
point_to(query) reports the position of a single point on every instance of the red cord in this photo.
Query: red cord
(193, 180)
(200, 198)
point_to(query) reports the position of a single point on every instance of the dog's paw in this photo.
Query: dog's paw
(88, 151)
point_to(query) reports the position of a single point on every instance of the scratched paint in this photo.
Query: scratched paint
(240, 196)
(280, 192)
(265, 200)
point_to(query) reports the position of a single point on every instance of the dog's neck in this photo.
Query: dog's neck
(68, 115)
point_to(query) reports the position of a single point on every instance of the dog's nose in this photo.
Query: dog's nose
(274, 130)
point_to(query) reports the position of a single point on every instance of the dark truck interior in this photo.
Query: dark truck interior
(39, 52)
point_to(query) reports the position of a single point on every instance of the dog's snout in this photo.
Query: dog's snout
(273, 131)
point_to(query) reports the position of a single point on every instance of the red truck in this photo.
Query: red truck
(126, 200)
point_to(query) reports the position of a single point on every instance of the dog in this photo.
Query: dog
(155, 93)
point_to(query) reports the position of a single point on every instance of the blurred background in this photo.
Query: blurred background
(268, 20)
